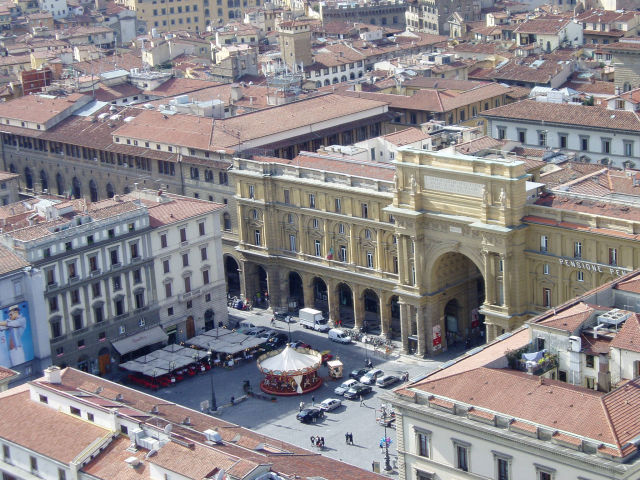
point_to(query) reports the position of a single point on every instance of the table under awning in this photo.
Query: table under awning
(139, 340)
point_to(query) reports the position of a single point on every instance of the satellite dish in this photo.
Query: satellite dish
(168, 428)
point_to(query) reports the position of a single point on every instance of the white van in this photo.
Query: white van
(246, 324)
(337, 335)
(311, 318)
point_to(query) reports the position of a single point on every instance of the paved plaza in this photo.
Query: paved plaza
(277, 419)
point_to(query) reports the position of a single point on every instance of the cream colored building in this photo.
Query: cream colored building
(430, 251)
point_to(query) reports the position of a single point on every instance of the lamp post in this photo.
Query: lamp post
(214, 405)
(387, 463)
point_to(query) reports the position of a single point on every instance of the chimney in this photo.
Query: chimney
(53, 375)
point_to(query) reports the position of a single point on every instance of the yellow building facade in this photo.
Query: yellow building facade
(442, 248)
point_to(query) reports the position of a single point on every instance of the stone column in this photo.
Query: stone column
(242, 229)
(385, 315)
(421, 333)
(489, 279)
(353, 246)
(334, 303)
(505, 279)
(274, 288)
(244, 279)
(379, 251)
(405, 326)
(358, 307)
(403, 258)
(326, 240)
(307, 288)
(417, 261)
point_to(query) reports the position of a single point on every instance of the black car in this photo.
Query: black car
(310, 415)
(278, 339)
(358, 373)
(357, 391)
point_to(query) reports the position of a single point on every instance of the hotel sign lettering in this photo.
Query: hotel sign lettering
(447, 185)
(593, 267)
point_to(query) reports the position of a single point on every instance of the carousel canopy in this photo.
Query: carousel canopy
(289, 362)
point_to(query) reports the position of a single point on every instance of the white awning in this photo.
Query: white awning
(139, 340)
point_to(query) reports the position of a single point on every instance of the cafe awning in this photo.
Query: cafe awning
(139, 340)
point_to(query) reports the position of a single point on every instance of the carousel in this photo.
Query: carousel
(290, 371)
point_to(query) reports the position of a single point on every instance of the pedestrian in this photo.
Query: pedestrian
(313, 400)
(346, 438)
(301, 406)
(351, 438)
(313, 440)
(361, 400)
(322, 442)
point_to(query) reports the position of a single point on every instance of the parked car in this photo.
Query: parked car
(387, 380)
(357, 390)
(358, 373)
(278, 339)
(340, 390)
(330, 404)
(310, 415)
(371, 376)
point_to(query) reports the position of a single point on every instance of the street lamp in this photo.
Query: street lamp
(387, 441)
(214, 405)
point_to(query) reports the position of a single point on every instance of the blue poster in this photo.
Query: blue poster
(16, 344)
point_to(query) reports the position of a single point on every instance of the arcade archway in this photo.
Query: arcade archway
(28, 178)
(60, 183)
(93, 190)
(232, 275)
(371, 303)
(76, 188)
(44, 181)
(296, 291)
(461, 292)
(345, 302)
(320, 297)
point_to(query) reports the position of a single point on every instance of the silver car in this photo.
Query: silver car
(371, 376)
(345, 386)
(387, 380)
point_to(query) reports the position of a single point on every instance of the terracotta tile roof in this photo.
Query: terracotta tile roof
(566, 114)
(595, 346)
(6, 374)
(435, 100)
(37, 427)
(197, 462)
(628, 337)
(406, 136)
(108, 465)
(206, 133)
(177, 210)
(179, 86)
(554, 404)
(5, 176)
(555, 175)
(356, 168)
(485, 357)
(238, 441)
(622, 407)
(479, 144)
(629, 44)
(106, 93)
(631, 285)
(557, 200)
(443, 83)
(9, 261)
(569, 320)
(543, 25)
(38, 109)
